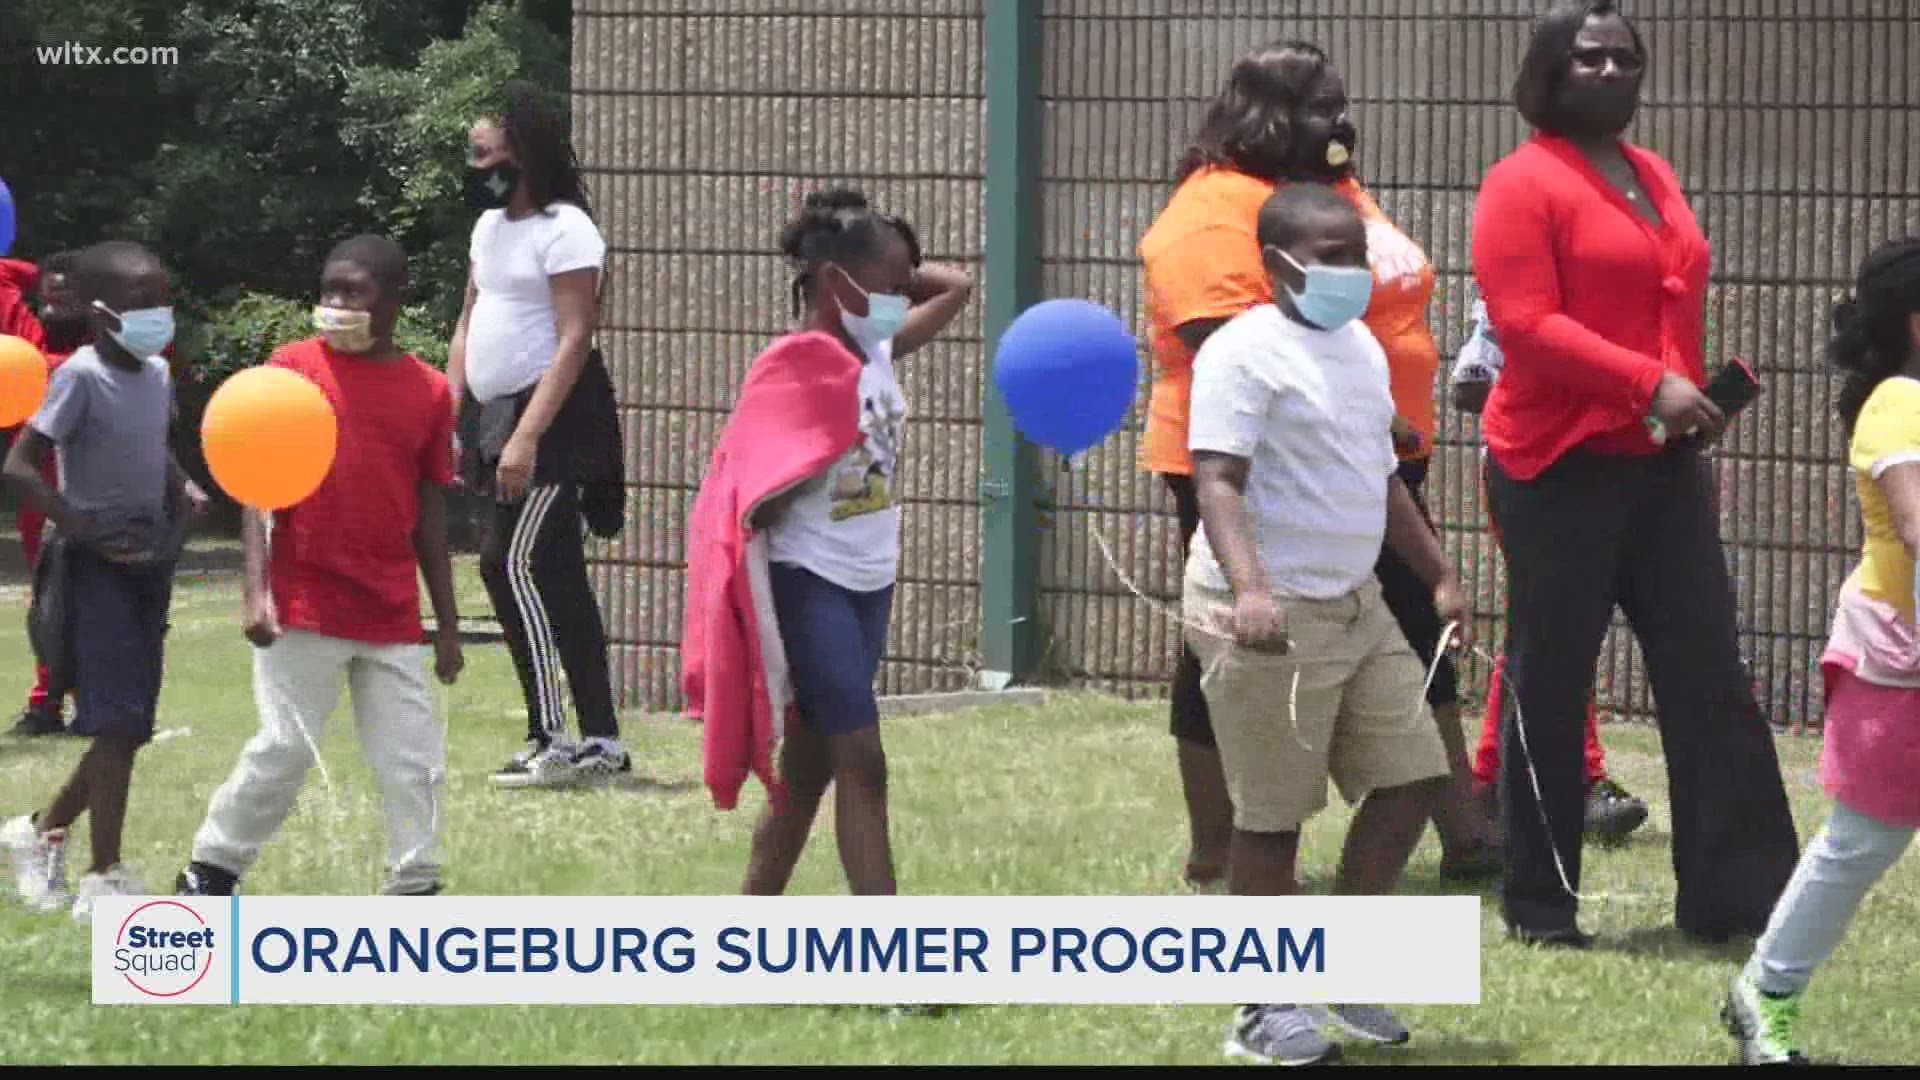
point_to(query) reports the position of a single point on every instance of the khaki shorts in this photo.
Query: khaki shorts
(1345, 702)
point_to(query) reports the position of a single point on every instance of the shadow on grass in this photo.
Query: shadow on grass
(1668, 943)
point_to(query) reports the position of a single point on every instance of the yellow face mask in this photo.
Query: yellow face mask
(346, 330)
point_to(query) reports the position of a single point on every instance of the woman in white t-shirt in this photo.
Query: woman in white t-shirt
(834, 541)
(522, 349)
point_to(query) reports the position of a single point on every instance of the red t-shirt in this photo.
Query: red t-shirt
(343, 562)
(1593, 304)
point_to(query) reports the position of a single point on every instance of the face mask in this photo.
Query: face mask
(347, 330)
(1335, 295)
(144, 333)
(1332, 158)
(886, 315)
(489, 189)
(1598, 108)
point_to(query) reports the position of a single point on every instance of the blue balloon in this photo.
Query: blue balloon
(1067, 370)
(6, 220)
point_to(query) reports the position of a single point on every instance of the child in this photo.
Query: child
(1308, 675)
(332, 594)
(1871, 757)
(121, 511)
(1612, 813)
(57, 330)
(826, 517)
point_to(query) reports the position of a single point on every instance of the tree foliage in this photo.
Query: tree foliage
(286, 126)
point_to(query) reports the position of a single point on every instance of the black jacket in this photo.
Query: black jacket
(584, 447)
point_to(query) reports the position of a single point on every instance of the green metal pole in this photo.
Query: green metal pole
(1010, 541)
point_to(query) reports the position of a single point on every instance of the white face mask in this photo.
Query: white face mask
(886, 316)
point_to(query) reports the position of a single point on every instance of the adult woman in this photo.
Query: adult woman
(1282, 118)
(1594, 273)
(522, 350)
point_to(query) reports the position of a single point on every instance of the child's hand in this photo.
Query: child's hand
(1450, 600)
(262, 621)
(1259, 624)
(449, 660)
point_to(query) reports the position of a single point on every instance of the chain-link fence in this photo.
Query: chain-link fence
(1794, 124)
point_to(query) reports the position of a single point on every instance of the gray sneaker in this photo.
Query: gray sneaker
(1373, 1023)
(548, 767)
(1279, 1035)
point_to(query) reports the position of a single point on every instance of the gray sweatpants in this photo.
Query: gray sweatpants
(297, 685)
(1851, 852)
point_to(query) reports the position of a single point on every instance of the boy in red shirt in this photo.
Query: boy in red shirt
(60, 327)
(332, 594)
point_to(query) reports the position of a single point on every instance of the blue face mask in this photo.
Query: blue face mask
(886, 316)
(1335, 295)
(144, 333)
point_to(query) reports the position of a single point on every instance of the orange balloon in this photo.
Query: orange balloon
(269, 435)
(23, 380)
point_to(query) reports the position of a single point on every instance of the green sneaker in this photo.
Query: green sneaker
(1762, 1023)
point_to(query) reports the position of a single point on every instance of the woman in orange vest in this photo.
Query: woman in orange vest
(1282, 118)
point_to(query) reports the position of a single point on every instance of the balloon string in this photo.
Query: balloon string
(1415, 713)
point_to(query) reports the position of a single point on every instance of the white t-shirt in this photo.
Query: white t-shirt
(845, 525)
(513, 333)
(1312, 411)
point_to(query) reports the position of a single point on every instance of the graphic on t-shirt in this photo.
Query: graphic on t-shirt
(1395, 259)
(863, 480)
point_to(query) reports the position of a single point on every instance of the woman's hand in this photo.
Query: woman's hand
(1683, 409)
(515, 473)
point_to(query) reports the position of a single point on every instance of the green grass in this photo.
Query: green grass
(1078, 798)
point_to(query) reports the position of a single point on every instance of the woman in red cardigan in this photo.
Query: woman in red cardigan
(1594, 273)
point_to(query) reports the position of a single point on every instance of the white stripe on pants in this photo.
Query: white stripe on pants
(1851, 852)
(296, 684)
(547, 669)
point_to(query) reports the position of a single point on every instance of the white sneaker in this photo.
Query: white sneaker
(550, 767)
(39, 863)
(115, 882)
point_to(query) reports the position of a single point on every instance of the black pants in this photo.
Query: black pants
(1411, 600)
(535, 567)
(1189, 718)
(1589, 533)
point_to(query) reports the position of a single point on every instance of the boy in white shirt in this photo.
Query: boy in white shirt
(1307, 674)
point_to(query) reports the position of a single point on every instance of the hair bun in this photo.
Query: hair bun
(834, 200)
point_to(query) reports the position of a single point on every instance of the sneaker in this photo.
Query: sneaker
(1564, 937)
(1612, 814)
(539, 766)
(39, 863)
(114, 882)
(1279, 1035)
(600, 761)
(39, 720)
(205, 879)
(1373, 1023)
(1762, 1023)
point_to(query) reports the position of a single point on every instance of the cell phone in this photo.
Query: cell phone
(1732, 388)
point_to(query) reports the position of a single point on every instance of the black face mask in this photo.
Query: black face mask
(1598, 108)
(1316, 161)
(489, 189)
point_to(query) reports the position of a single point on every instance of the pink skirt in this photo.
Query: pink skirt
(1871, 757)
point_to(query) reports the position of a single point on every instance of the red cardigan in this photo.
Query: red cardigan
(1592, 303)
(798, 412)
